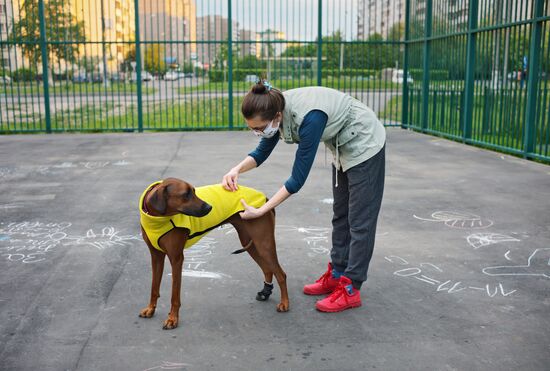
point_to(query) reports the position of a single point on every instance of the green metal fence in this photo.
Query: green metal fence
(483, 68)
(470, 70)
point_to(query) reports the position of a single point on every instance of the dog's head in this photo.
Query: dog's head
(174, 196)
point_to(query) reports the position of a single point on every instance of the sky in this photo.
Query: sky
(296, 18)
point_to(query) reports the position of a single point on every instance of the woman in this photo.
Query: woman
(356, 138)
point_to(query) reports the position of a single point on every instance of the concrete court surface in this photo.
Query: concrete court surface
(460, 278)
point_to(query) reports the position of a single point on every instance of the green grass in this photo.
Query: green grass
(200, 114)
(498, 117)
(64, 88)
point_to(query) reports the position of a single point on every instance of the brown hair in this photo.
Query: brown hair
(262, 100)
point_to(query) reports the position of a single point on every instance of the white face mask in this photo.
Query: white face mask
(269, 130)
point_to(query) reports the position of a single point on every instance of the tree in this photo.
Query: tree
(154, 61)
(61, 25)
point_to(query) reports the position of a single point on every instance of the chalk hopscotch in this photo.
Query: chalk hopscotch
(32, 242)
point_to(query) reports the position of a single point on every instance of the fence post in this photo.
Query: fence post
(532, 81)
(469, 79)
(230, 63)
(319, 43)
(426, 65)
(405, 93)
(45, 74)
(138, 68)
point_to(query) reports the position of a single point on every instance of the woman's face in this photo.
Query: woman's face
(258, 125)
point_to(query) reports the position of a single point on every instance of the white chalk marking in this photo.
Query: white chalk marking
(33, 198)
(506, 255)
(432, 265)
(542, 268)
(204, 274)
(458, 220)
(391, 257)
(328, 201)
(478, 240)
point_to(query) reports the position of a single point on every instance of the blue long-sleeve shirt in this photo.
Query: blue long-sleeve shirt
(310, 132)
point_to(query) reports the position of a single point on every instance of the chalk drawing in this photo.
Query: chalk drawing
(33, 242)
(328, 201)
(459, 220)
(538, 264)
(121, 163)
(169, 366)
(90, 165)
(30, 242)
(448, 286)
(95, 164)
(107, 237)
(64, 165)
(478, 240)
(10, 206)
(5, 171)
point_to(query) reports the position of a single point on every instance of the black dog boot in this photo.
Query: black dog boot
(265, 293)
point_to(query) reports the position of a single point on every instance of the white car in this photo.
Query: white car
(172, 76)
(397, 77)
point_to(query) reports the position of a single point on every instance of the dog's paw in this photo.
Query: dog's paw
(147, 312)
(170, 324)
(282, 307)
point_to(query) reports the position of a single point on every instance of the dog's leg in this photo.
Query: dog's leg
(173, 317)
(157, 262)
(268, 275)
(266, 251)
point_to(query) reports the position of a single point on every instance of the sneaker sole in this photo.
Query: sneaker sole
(355, 305)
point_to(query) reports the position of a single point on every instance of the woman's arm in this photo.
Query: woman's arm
(310, 132)
(254, 159)
(229, 181)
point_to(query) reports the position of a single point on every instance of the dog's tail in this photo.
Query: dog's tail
(243, 249)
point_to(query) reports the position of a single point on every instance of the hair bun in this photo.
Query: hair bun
(259, 88)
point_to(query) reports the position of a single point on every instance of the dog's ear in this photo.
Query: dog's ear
(158, 199)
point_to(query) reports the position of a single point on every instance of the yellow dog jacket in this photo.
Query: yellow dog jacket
(224, 204)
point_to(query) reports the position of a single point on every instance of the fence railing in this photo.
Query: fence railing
(470, 70)
(485, 74)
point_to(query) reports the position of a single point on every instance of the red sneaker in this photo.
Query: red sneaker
(344, 297)
(324, 285)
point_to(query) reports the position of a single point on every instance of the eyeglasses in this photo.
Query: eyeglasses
(260, 131)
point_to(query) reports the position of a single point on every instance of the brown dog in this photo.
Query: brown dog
(164, 202)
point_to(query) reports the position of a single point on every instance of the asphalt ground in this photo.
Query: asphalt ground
(459, 280)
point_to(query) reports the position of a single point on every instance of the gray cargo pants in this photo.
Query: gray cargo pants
(357, 201)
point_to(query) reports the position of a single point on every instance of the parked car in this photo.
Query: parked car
(398, 77)
(188, 75)
(5, 80)
(80, 78)
(171, 76)
(145, 76)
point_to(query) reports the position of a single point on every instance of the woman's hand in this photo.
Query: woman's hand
(250, 212)
(229, 181)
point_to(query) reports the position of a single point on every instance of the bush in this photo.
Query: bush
(435, 75)
(24, 74)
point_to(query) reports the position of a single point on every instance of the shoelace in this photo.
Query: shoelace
(339, 291)
(324, 278)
